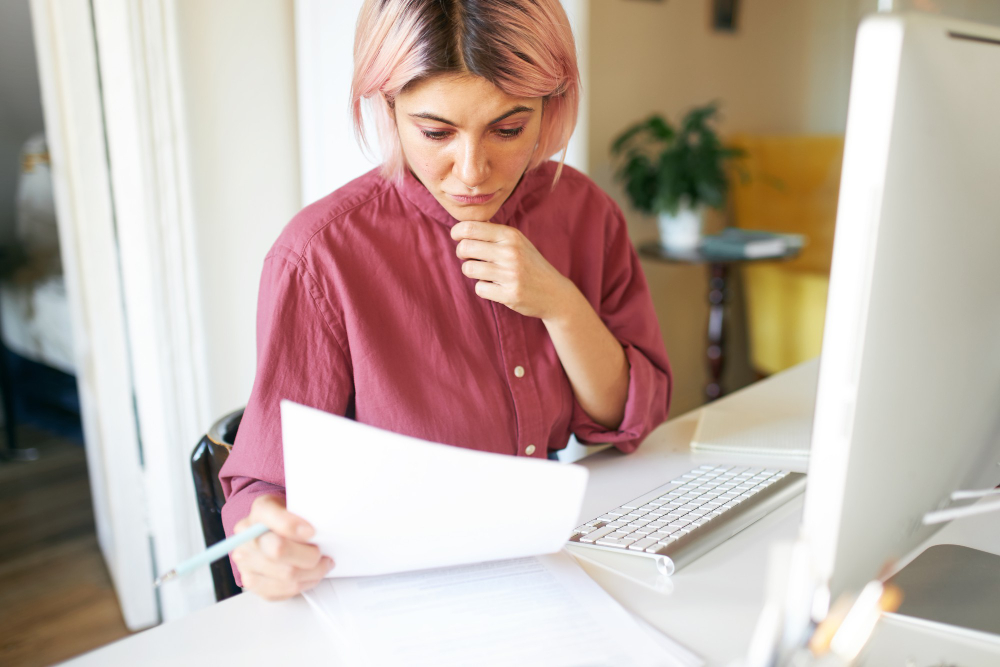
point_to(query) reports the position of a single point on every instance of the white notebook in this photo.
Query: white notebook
(760, 423)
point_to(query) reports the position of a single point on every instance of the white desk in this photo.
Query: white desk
(712, 609)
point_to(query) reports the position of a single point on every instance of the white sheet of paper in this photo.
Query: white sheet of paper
(382, 502)
(526, 612)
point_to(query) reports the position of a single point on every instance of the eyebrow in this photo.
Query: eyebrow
(430, 116)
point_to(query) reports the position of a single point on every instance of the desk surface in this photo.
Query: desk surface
(712, 608)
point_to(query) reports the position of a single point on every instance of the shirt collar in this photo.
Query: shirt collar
(418, 195)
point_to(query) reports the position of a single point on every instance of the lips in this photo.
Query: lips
(477, 199)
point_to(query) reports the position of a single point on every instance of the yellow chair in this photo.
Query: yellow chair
(793, 187)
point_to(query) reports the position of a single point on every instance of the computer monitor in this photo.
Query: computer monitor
(908, 401)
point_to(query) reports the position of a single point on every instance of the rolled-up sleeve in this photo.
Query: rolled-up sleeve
(626, 308)
(301, 356)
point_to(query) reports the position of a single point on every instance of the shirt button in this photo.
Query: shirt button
(519, 371)
(530, 449)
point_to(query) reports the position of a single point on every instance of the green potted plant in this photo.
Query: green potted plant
(674, 173)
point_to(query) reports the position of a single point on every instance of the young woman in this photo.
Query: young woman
(468, 292)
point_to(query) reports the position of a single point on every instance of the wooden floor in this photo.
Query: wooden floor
(56, 598)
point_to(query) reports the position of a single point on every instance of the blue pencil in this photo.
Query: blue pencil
(214, 552)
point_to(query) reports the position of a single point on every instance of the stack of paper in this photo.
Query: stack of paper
(528, 612)
(759, 424)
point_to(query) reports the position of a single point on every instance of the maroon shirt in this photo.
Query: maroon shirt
(364, 311)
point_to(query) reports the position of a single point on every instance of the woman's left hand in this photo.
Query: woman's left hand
(510, 270)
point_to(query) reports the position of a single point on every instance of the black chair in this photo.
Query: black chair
(206, 461)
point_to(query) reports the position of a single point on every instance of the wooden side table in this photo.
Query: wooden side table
(718, 267)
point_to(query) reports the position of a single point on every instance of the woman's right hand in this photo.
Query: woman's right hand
(279, 564)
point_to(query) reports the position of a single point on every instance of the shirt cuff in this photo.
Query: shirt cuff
(237, 507)
(646, 406)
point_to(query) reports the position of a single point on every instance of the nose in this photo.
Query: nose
(471, 163)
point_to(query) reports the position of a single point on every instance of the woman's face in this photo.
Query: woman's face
(467, 141)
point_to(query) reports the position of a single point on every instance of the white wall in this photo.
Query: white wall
(20, 103)
(331, 156)
(239, 81)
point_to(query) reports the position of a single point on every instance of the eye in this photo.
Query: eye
(510, 133)
(435, 136)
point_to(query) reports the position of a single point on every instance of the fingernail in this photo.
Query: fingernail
(329, 563)
(304, 531)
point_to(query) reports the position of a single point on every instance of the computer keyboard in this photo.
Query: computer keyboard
(686, 517)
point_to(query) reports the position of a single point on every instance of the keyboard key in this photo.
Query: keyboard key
(611, 542)
(597, 534)
(642, 500)
(642, 544)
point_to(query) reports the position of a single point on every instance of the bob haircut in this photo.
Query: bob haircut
(523, 47)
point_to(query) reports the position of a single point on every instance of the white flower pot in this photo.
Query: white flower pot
(682, 231)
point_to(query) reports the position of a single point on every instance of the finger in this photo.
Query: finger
(490, 291)
(270, 589)
(256, 562)
(316, 573)
(270, 510)
(283, 550)
(480, 231)
(481, 250)
(259, 566)
(308, 585)
(484, 271)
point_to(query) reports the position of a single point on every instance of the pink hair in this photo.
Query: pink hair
(524, 47)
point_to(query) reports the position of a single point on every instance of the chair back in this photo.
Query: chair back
(793, 187)
(206, 461)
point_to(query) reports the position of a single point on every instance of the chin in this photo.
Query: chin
(481, 213)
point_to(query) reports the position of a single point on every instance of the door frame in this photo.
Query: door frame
(112, 101)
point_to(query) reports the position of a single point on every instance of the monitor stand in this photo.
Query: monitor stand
(952, 585)
(950, 614)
